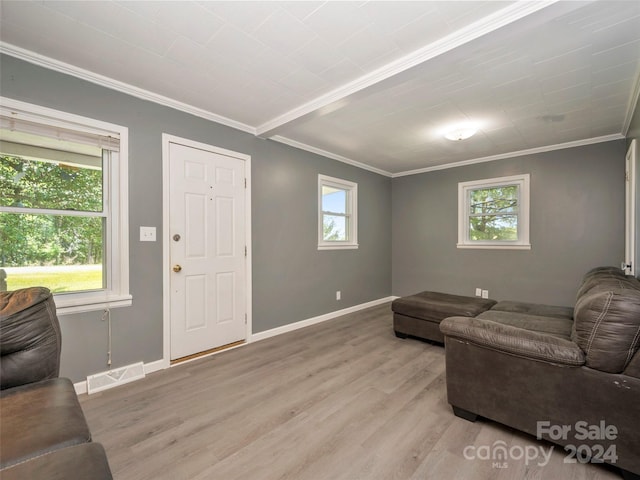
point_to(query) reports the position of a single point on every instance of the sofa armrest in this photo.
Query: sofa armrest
(30, 339)
(514, 340)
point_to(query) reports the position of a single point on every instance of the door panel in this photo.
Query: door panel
(225, 228)
(195, 216)
(225, 292)
(196, 302)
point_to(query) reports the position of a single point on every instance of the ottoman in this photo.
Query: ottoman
(420, 315)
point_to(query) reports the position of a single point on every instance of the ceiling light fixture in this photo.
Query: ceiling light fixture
(460, 132)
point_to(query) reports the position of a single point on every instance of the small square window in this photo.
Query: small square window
(494, 213)
(337, 213)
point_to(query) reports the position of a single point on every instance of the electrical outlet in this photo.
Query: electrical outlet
(147, 234)
(478, 292)
(485, 293)
(338, 295)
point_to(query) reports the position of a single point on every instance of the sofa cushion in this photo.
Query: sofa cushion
(605, 278)
(604, 269)
(39, 418)
(560, 327)
(534, 309)
(607, 327)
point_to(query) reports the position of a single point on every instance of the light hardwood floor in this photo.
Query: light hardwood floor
(344, 399)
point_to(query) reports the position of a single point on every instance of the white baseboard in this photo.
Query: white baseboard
(154, 366)
(81, 387)
(312, 321)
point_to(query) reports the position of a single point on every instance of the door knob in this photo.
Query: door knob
(177, 268)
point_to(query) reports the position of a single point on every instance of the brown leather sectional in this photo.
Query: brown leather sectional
(43, 431)
(567, 375)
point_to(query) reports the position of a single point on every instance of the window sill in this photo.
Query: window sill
(523, 246)
(78, 303)
(350, 246)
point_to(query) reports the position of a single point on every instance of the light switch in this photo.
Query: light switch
(147, 234)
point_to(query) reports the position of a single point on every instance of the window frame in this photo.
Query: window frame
(523, 183)
(351, 215)
(116, 202)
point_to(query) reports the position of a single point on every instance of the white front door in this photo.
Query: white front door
(207, 251)
(629, 264)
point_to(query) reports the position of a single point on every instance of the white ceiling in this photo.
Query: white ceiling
(370, 83)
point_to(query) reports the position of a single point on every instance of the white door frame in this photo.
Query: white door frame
(630, 210)
(166, 241)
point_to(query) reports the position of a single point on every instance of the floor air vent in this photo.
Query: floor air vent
(113, 378)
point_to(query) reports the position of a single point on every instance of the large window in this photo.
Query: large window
(63, 206)
(337, 215)
(494, 213)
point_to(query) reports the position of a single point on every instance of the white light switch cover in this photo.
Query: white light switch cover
(147, 234)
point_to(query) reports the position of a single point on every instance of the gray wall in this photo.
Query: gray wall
(577, 222)
(292, 280)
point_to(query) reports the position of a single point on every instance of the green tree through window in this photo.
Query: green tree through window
(57, 220)
(493, 213)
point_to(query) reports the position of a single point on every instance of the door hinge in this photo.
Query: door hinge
(245, 318)
(245, 250)
(245, 183)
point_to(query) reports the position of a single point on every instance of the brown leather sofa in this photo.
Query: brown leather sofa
(567, 375)
(43, 431)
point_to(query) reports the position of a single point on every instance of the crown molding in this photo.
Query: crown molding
(66, 68)
(460, 37)
(519, 153)
(333, 156)
(502, 156)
